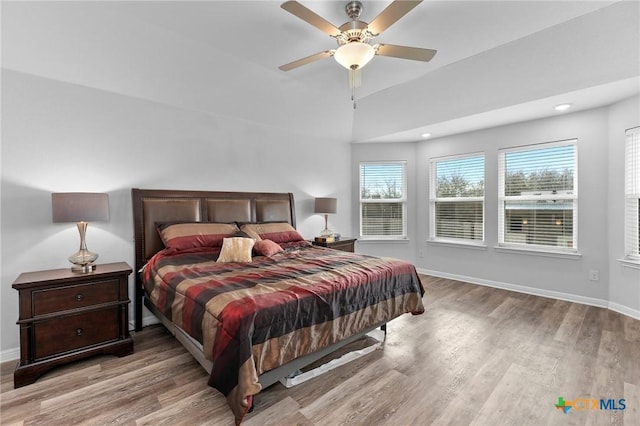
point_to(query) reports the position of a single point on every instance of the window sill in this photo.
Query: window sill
(534, 252)
(460, 244)
(630, 263)
(366, 240)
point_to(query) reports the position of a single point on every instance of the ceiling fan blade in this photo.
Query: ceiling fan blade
(307, 60)
(390, 15)
(404, 52)
(310, 17)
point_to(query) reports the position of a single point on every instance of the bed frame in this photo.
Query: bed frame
(152, 206)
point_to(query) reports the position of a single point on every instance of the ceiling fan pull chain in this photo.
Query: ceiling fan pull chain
(352, 83)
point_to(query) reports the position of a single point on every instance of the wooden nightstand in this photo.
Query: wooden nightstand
(66, 316)
(344, 244)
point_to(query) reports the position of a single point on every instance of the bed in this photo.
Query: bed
(251, 319)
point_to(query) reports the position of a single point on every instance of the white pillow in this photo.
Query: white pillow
(236, 249)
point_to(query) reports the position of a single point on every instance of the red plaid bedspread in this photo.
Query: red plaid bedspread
(253, 317)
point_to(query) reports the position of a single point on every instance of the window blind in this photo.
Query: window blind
(456, 198)
(632, 193)
(383, 199)
(538, 196)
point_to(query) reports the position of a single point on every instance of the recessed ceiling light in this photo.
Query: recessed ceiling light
(562, 107)
(426, 135)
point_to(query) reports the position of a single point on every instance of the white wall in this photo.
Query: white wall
(58, 136)
(600, 134)
(624, 288)
(553, 274)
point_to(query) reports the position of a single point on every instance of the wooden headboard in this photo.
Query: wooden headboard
(153, 206)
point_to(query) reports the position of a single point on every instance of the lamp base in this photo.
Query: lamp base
(326, 232)
(83, 261)
(83, 269)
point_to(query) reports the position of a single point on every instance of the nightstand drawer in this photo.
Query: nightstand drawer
(74, 296)
(344, 244)
(63, 334)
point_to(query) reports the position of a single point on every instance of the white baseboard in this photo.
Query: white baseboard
(621, 309)
(10, 355)
(146, 320)
(625, 310)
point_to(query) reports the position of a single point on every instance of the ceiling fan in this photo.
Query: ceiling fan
(354, 49)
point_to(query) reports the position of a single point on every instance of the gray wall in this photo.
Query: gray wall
(58, 137)
(600, 134)
(624, 280)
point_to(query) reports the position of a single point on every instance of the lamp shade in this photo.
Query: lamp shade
(326, 205)
(354, 55)
(79, 207)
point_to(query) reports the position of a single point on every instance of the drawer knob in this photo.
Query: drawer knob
(79, 297)
(78, 332)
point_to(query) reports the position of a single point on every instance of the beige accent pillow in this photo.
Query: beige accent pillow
(236, 249)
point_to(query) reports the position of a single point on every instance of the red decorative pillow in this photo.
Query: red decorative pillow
(181, 236)
(267, 248)
(278, 232)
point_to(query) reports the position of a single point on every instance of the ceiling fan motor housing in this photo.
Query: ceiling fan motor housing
(353, 31)
(353, 9)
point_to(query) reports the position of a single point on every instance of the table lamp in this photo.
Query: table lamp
(326, 206)
(80, 207)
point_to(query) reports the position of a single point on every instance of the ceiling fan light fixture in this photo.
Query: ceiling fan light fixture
(354, 55)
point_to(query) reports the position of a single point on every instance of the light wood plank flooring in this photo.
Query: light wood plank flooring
(478, 356)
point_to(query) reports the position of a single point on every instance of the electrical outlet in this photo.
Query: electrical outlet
(594, 275)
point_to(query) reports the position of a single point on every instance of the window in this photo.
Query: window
(538, 196)
(456, 198)
(632, 193)
(383, 199)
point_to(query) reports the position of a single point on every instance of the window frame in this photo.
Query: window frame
(402, 200)
(433, 200)
(503, 199)
(632, 194)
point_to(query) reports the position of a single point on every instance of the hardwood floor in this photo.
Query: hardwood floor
(478, 356)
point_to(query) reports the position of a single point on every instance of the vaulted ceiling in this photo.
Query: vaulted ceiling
(497, 61)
